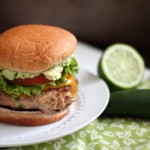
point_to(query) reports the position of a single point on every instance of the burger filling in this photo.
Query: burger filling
(47, 101)
(21, 84)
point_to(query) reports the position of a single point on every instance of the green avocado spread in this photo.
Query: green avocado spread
(53, 73)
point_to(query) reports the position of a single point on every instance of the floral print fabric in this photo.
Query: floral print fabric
(102, 134)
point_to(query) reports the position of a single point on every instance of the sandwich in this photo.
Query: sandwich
(37, 74)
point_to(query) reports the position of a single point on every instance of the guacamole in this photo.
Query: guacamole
(53, 73)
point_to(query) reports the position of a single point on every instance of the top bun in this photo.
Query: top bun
(35, 48)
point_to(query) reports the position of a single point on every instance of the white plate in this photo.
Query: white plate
(92, 99)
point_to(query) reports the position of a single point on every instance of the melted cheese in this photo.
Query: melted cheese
(71, 81)
(74, 85)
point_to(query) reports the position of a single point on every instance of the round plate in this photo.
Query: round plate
(92, 99)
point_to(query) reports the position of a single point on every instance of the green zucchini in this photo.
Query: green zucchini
(129, 103)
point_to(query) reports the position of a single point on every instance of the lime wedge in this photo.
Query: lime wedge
(121, 66)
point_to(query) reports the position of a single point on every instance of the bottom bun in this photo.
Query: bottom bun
(31, 118)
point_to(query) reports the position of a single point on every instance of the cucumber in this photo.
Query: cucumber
(129, 103)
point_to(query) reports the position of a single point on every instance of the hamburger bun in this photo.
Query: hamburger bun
(29, 118)
(35, 48)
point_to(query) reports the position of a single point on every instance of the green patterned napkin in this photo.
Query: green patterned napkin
(102, 134)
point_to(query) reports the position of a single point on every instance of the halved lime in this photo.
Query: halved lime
(121, 66)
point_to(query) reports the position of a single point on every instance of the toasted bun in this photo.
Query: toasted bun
(29, 118)
(35, 48)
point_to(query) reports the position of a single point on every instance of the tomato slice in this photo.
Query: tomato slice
(41, 79)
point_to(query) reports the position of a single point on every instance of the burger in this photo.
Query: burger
(37, 74)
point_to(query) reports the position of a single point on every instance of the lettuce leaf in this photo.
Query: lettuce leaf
(17, 90)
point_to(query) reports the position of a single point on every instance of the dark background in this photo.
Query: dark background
(97, 22)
